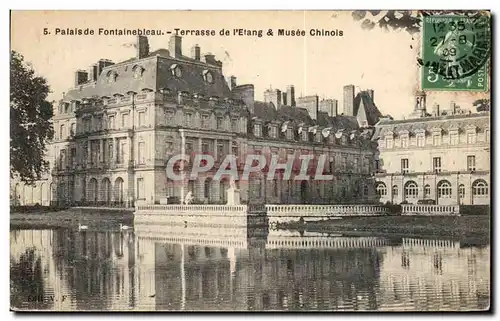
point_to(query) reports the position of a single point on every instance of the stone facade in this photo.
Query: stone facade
(116, 129)
(442, 158)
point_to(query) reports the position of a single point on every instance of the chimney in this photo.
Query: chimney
(195, 52)
(103, 63)
(175, 46)
(349, 100)
(283, 98)
(310, 103)
(245, 93)
(453, 108)
(328, 106)
(290, 95)
(142, 47)
(273, 96)
(232, 82)
(371, 93)
(81, 76)
(92, 74)
(435, 110)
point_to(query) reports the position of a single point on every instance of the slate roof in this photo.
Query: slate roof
(267, 112)
(481, 121)
(156, 75)
(373, 114)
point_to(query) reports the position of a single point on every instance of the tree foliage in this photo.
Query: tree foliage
(482, 105)
(30, 120)
(406, 20)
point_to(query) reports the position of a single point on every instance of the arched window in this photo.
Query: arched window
(444, 189)
(479, 188)
(427, 191)
(395, 190)
(380, 188)
(411, 189)
(461, 190)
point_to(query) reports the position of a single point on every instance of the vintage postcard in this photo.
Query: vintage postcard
(250, 160)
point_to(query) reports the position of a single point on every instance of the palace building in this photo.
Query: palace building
(441, 157)
(120, 123)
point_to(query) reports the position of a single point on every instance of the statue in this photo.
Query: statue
(189, 198)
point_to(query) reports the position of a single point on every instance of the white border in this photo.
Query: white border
(195, 5)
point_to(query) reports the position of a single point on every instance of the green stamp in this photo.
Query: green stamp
(455, 52)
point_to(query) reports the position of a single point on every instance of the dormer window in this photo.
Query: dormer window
(257, 130)
(138, 71)
(305, 136)
(318, 137)
(289, 133)
(388, 142)
(208, 77)
(176, 71)
(273, 131)
(112, 76)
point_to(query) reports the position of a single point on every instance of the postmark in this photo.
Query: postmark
(455, 52)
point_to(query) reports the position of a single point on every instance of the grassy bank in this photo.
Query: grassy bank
(71, 217)
(449, 226)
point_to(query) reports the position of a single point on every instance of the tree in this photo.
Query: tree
(30, 120)
(482, 105)
(406, 20)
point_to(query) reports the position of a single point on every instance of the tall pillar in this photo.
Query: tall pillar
(115, 148)
(101, 150)
(199, 145)
(215, 150)
(89, 152)
(183, 152)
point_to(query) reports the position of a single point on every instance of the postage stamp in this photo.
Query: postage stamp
(455, 52)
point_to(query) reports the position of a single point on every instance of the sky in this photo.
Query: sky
(369, 59)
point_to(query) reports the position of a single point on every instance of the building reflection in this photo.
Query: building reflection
(202, 268)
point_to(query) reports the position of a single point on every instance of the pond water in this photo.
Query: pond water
(152, 267)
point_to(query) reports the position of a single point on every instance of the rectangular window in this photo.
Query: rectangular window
(140, 188)
(471, 138)
(257, 130)
(356, 164)
(204, 147)
(168, 147)
(141, 151)
(86, 125)
(220, 123)
(234, 125)
(189, 148)
(274, 132)
(344, 162)
(220, 151)
(124, 120)
(111, 122)
(471, 163)
(289, 134)
(436, 164)
(436, 140)
(73, 156)
(62, 133)
(142, 119)
(404, 165)
(388, 142)
(305, 136)
(72, 129)
(188, 119)
(454, 138)
(204, 121)
(420, 140)
(110, 152)
(318, 137)
(404, 142)
(99, 123)
(170, 117)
